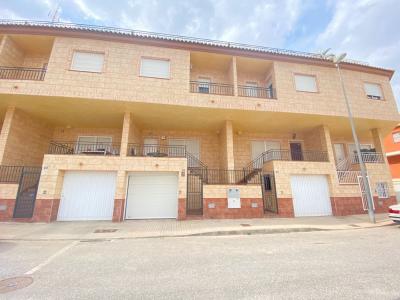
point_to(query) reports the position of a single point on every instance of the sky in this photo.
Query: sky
(367, 30)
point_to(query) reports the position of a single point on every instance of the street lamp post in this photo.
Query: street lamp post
(337, 61)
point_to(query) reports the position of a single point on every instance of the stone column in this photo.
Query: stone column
(119, 198)
(126, 127)
(226, 144)
(5, 130)
(234, 76)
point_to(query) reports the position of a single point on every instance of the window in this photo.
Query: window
(87, 61)
(353, 151)
(382, 190)
(251, 89)
(305, 83)
(396, 137)
(373, 91)
(158, 68)
(94, 144)
(204, 85)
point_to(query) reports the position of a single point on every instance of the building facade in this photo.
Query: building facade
(111, 124)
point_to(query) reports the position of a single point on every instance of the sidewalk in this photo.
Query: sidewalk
(92, 230)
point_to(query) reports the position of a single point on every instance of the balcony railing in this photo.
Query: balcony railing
(369, 157)
(256, 92)
(211, 88)
(348, 177)
(288, 155)
(12, 174)
(156, 150)
(16, 73)
(237, 177)
(71, 148)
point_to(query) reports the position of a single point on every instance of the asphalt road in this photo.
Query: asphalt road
(351, 264)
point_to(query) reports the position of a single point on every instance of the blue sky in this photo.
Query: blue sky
(368, 30)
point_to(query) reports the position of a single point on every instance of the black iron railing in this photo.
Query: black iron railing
(12, 174)
(156, 150)
(237, 177)
(211, 88)
(256, 92)
(17, 73)
(106, 148)
(286, 155)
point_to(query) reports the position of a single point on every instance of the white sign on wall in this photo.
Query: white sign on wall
(233, 198)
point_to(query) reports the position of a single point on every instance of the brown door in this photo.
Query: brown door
(295, 151)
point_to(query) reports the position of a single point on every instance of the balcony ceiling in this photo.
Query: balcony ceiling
(34, 44)
(253, 66)
(108, 114)
(210, 60)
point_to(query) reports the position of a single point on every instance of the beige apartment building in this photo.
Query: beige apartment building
(111, 124)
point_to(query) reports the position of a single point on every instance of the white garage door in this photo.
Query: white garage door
(152, 196)
(87, 196)
(310, 195)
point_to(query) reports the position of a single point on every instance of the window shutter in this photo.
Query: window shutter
(86, 61)
(154, 68)
(305, 83)
(374, 90)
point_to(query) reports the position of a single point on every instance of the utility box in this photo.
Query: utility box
(233, 198)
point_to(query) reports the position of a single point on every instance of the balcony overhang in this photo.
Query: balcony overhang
(79, 112)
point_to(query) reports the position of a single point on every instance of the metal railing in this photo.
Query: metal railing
(211, 88)
(256, 92)
(17, 73)
(12, 174)
(156, 150)
(348, 177)
(288, 155)
(106, 148)
(237, 177)
(371, 157)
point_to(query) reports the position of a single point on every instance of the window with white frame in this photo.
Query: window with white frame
(305, 83)
(382, 189)
(87, 61)
(353, 151)
(373, 91)
(204, 85)
(396, 137)
(158, 68)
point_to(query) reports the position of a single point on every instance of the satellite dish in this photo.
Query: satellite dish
(325, 52)
(340, 58)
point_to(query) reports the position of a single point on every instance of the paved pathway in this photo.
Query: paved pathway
(164, 228)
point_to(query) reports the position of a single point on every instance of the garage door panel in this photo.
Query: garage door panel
(310, 195)
(87, 196)
(152, 195)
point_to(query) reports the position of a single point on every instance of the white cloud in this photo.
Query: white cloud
(89, 13)
(368, 31)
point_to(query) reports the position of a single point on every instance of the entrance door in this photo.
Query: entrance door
(296, 151)
(27, 190)
(339, 153)
(259, 147)
(269, 193)
(192, 147)
(150, 146)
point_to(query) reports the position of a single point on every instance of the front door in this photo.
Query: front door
(150, 146)
(339, 153)
(296, 151)
(192, 147)
(259, 147)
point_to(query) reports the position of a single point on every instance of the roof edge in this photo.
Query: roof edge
(98, 32)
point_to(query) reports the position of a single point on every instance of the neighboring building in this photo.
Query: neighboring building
(392, 148)
(101, 124)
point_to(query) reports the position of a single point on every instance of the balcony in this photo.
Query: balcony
(19, 73)
(83, 148)
(211, 88)
(156, 150)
